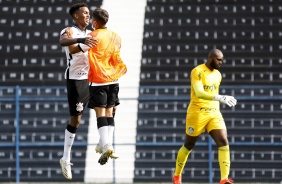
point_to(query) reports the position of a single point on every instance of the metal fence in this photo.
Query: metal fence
(15, 97)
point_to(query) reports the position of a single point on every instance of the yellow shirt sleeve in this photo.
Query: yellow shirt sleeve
(200, 92)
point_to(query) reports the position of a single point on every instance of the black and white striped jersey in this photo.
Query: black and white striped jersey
(77, 64)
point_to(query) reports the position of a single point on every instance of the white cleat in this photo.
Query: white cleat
(99, 150)
(66, 169)
(107, 151)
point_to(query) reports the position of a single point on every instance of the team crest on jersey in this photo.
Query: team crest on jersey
(190, 130)
(79, 107)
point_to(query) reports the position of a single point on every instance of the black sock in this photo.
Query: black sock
(102, 121)
(111, 121)
(71, 129)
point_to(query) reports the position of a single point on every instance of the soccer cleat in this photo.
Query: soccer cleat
(99, 150)
(227, 181)
(176, 179)
(107, 151)
(66, 169)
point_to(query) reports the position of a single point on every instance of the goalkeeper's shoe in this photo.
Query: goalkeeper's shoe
(99, 150)
(66, 169)
(107, 151)
(176, 179)
(227, 181)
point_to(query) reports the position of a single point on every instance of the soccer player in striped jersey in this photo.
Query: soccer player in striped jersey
(76, 76)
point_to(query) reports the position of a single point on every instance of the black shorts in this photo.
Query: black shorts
(78, 96)
(117, 101)
(103, 96)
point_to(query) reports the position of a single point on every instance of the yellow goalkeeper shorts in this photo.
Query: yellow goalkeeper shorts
(201, 121)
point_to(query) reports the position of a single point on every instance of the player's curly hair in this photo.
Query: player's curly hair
(100, 15)
(75, 7)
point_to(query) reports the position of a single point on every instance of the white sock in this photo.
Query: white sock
(100, 142)
(103, 132)
(111, 130)
(69, 139)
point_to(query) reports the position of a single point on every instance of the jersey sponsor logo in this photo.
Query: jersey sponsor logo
(199, 76)
(211, 87)
(82, 73)
(79, 107)
(207, 109)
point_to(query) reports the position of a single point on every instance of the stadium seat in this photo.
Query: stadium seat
(7, 107)
(251, 55)
(7, 173)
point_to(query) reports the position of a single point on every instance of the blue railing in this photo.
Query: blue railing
(274, 94)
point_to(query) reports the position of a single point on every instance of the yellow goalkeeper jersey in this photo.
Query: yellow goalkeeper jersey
(210, 82)
(105, 62)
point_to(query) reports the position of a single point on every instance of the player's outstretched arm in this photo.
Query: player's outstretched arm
(200, 92)
(66, 39)
(225, 99)
(76, 44)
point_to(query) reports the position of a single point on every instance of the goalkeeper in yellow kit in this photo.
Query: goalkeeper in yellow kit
(203, 114)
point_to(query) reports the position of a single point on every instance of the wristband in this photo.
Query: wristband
(216, 97)
(81, 40)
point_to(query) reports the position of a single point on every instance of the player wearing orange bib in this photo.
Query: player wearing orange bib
(106, 67)
(105, 62)
(203, 114)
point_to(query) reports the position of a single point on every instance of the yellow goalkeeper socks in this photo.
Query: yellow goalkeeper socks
(224, 161)
(182, 156)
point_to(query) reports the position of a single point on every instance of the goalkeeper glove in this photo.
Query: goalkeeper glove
(228, 100)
